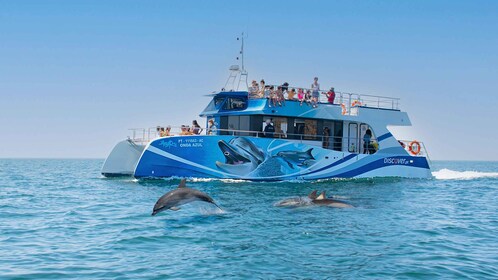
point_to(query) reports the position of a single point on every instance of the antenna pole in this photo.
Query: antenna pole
(242, 51)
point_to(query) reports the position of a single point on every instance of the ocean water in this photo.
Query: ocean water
(59, 219)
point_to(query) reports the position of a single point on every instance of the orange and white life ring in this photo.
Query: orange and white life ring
(414, 147)
(344, 111)
(356, 103)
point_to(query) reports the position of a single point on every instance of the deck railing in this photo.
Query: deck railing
(354, 99)
(350, 144)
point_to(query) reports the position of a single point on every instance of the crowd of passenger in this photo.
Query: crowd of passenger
(195, 129)
(277, 96)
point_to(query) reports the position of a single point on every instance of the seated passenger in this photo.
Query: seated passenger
(167, 132)
(272, 97)
(196, 128)
(185, 130)
(253, 90)
(307, 97)
(262, 89)
(285, 87)
(300, 96)
(291, 94)
(280, 96)
(269, 129)
(211, 128)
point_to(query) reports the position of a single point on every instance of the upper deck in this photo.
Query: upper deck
(382, 110)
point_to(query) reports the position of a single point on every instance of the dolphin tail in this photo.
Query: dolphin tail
(309, 153)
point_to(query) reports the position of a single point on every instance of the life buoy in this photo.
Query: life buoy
(414, 147)
(344, 111)
(356, 103)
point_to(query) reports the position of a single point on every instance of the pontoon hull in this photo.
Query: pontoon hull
(268, 159)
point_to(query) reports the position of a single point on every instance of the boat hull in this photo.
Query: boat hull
(269, 159)
(123, 159)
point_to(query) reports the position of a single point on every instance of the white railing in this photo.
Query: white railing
(351, 100)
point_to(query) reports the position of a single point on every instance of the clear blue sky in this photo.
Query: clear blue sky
(75, 75)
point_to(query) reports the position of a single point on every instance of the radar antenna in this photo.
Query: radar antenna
(237, 71)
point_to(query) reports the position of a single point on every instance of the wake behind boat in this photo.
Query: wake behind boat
(271, 137)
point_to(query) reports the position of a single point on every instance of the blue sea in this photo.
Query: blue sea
(60, 219)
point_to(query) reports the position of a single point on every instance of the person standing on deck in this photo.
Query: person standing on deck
(315, 87)
(269, 129)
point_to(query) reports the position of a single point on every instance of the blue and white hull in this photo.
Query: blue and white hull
(269, 159)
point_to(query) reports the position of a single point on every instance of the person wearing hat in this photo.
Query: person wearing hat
(211, 127)
(330, 95)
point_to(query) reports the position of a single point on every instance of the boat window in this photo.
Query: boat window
(310, 129)
(234, 103)
(218, 101)
(280, 125)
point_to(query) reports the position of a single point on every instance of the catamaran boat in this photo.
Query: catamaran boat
(298, 149)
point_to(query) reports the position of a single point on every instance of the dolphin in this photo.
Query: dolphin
(241, 156)
(179, 196)
(322, 200)
(298, 201)
(296, 158)
(312, 199)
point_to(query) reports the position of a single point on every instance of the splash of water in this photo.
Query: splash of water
(448, 174)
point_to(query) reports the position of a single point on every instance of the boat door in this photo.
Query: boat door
(353, 138)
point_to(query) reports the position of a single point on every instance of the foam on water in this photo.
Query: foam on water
(448, 174)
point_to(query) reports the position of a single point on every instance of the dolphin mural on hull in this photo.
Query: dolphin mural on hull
(241, 156)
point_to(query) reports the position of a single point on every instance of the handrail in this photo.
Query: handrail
(347, 98)
(351, 144)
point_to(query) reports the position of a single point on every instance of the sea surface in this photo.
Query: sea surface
(60, 219)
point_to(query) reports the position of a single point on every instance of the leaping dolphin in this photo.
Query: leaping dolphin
(179, 196)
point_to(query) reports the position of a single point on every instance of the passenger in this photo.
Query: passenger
(185, 130)
(164, 132)
(300, 96)
(326, 137)
(211, 128)
(253, 90)
(291, 94)
(330, 95)
(272, 97)
(167, 132)
(269, 129)
(307, 97)
(280, 96)
(315, 86)
(196, 128)
(367, 143)
(159, 130)
(285, 87)
(262, 89)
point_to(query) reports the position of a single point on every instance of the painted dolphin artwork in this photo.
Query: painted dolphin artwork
(180, 196)
(296, 158)
(313, 199)
(241, 156)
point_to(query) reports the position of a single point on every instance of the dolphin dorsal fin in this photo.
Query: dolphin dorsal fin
(312, 194)
(321, 196)
(182, 183)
